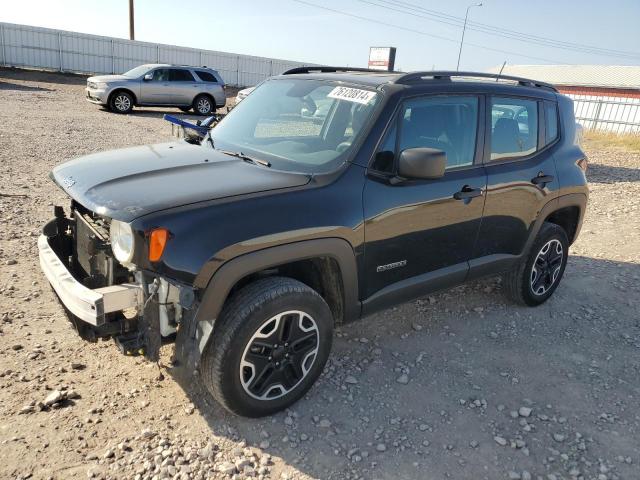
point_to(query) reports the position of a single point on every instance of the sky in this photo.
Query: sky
(426, 33)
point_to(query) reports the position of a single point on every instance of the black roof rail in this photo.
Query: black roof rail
(327, 69)
(447, 75)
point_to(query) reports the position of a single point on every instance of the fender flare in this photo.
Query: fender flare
(570, 200)
(235, 269)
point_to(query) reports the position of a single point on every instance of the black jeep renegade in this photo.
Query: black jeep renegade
(326, 195)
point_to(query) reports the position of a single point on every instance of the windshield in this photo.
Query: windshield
(297, 125)
(137, 72)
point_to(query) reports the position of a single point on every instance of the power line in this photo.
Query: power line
(497, 31)
(420, 32)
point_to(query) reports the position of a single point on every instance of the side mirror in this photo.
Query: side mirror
(422, 163)
(148, 77)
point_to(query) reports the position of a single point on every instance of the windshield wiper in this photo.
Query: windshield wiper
(246, 158)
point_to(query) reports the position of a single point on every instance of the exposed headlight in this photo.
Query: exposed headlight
(121, 241)
(101, 85)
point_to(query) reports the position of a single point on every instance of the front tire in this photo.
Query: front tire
(121, 102)
(271, 342)
(535, 279)
(204, 105)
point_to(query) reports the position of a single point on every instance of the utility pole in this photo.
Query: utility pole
(464, 28)
(132, 35)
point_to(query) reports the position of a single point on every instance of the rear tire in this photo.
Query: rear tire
(535, 279)
(204, 105)
(270, 344)
(121, 102)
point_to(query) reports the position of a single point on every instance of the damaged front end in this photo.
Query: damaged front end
(102, 297)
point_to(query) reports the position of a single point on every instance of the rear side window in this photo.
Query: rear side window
(514, 127)
(206, 77)
(551, 122)
(447, 123)
(180, 75)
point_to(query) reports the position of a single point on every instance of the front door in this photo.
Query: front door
(156, 91)
(420, 234)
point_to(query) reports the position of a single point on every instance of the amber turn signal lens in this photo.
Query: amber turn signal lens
(157, 241)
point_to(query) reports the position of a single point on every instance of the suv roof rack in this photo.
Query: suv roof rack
(327, 69)
(448, 75)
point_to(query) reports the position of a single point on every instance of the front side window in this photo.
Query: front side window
(298, 125)
(180, 75)
(514, 127)
(161, 75)
(447, 123)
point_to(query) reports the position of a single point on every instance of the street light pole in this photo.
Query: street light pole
(132, 35)
(464, 28)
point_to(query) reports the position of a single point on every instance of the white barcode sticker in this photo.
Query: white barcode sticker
(352, 95)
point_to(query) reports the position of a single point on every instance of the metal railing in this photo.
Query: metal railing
(617, 116)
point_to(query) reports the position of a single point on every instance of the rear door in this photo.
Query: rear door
(183, 86)
(419, 235)
(521, 174)
(156, 91)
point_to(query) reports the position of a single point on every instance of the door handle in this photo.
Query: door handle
(542, 179)
(467, 193)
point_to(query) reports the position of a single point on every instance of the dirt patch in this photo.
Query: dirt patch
(457, 385)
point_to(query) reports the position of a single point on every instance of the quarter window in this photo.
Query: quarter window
(514, 127)
(206, 77)
(179, 75)
(551, 122)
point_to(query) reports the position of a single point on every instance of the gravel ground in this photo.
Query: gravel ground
(457, 385)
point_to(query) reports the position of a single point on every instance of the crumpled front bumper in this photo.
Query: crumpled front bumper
(89, 305)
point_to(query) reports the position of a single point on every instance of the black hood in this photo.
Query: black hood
(128, 183)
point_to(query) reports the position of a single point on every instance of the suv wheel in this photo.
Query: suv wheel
(538, 276)
(272, 341)
(204, 105)
(121, 102)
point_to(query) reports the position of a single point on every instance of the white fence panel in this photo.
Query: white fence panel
(179, 55)
(225, 63)
(128, 54)
(30, 46)
(85, 54)
(25, 46)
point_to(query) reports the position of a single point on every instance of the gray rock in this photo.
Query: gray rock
(558, 437)
(514, 475)
(403, 379)
(350, 380)
(54, 397)
(324, 423)
(227, 468)
(524, 412)
(381, 447)
(500, 440)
